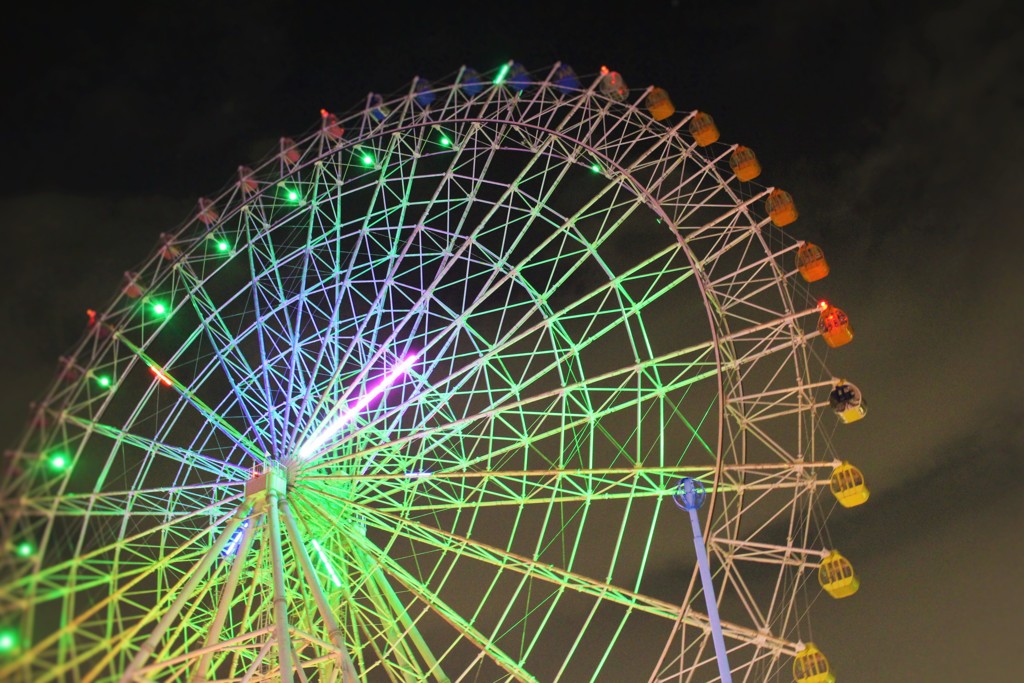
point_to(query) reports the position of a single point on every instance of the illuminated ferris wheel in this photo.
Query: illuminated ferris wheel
(419, 397)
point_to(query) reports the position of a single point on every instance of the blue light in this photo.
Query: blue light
(236, 538)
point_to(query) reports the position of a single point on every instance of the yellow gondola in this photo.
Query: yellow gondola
(836, 576)
(810, 666)
(847, 484)
(847, 401)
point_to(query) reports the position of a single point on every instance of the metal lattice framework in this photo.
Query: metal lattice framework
(408, 401)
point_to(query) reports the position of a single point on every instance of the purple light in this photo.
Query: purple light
(326, 433)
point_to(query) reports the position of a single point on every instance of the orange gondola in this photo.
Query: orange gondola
(744, 163)
(834, 325)
(703, 129)
(810, 261)
(659, 104)
(781, 207)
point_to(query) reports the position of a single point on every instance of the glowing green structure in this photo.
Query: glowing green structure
(414, 406)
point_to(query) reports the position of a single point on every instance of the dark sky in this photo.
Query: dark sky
(897, 127)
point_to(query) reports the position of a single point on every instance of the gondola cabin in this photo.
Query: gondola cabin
(518, 77)
(565, 80)
(847, 485)
(836, 576)
(744, 163)
(847, 402)
(207, 212)
(377, 109)
(246, 182)
(424, 96)
(289, 151)
(330, 125)
(834, 325)
(131, 287)
(781, 208)
(659, 104)
(168, 250)
(703, 129)
(810, 261)
(471, 82)
(810, 666)
(612, 85)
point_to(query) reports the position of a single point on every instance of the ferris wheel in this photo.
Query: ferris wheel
(412, 400)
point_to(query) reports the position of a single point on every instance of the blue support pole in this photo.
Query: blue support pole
(690, 496)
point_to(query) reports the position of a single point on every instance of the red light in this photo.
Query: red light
(823, 304)
(324, 113)
(92, 316)
(159, 375)
(604, 70)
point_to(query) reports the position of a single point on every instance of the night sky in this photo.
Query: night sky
(897, 127)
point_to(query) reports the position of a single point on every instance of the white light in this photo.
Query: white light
(328, 432)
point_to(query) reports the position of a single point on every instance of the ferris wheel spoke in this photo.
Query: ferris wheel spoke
(233, 364)
(205, 411)
(389, 616)
(255, 228)
(593, 385)
(224, 603)
(332, 350)
(225, 471)
(246, 641)
(399, 258)
(54, 575)
(616, 390)
(452, 489)
(399, 626)
(440, 607)
(143, 502)
(392, 264)
(560, 578)
(167, 614)
(334, 630)
(129, 577)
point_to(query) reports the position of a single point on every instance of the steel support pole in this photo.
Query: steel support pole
(284, 642)
(226, 597)
(348, 670)
(691, 504)
(378, 578)
(198, 574)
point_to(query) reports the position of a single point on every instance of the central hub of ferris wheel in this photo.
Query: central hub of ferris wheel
(265, 479)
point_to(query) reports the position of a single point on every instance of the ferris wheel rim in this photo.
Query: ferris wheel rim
(694, 263)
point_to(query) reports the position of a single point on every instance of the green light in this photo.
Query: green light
(502, 72)
(103, 381)
(159, 308)
(25, 549)
(8, 641)
(327, 563)
(223, 246)
(595, 168)
(367, 160)
(293, 196)
(58, 462)
(446, 141)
